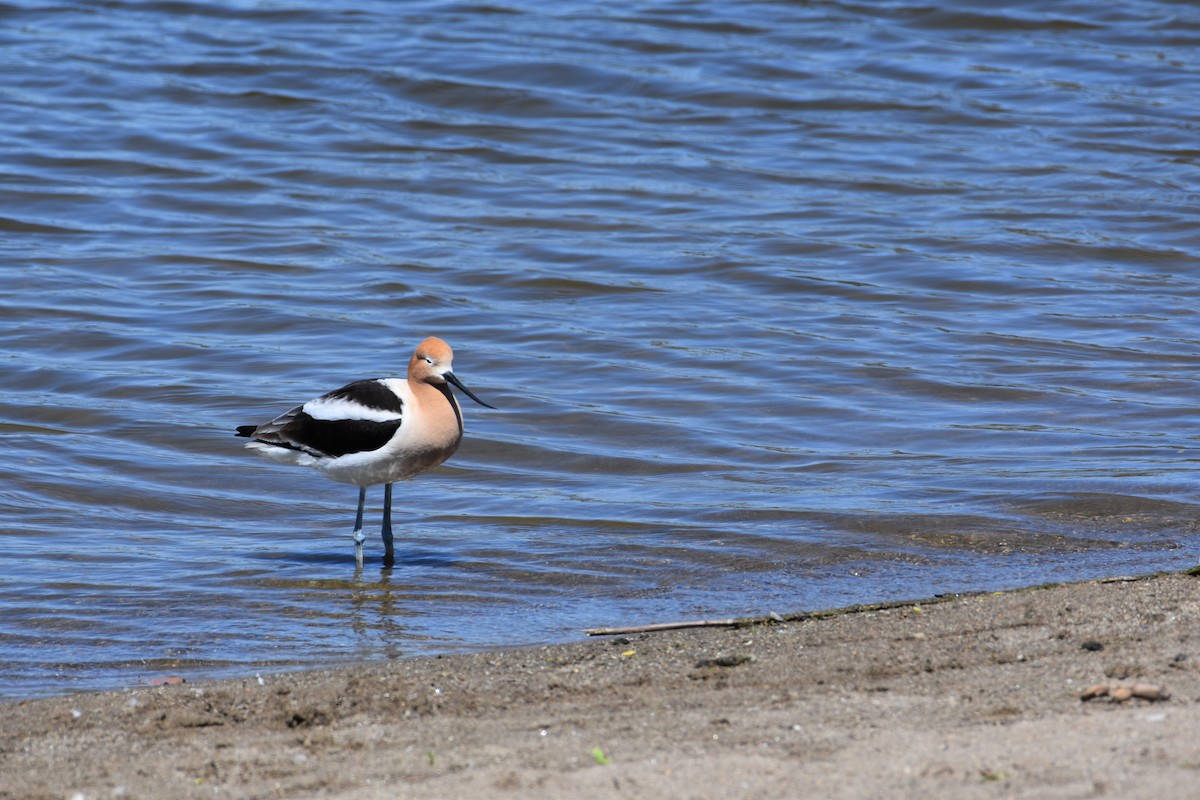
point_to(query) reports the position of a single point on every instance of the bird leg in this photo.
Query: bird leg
(389, 555)
(359, 536)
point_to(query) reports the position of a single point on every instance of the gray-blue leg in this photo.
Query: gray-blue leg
(389, 555)
(359, 536)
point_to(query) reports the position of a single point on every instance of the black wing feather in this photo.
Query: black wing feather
(332, 437)
(370, 393)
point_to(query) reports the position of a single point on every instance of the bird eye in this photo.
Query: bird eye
(429, 361)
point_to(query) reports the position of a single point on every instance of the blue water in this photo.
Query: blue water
(784, 306)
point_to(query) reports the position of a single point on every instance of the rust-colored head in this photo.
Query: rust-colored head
(432, 362)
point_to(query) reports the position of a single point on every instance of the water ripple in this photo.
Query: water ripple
(783, 305)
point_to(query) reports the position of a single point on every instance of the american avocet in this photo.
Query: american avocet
(368, 432)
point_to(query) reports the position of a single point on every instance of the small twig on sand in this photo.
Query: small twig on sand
(667, 626)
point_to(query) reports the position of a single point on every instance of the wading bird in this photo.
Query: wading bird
(368, 432)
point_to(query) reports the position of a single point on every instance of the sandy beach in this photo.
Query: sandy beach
(976, 696)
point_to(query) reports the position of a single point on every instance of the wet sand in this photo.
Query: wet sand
(969, 697)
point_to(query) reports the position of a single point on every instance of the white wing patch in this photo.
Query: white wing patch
(340, 408)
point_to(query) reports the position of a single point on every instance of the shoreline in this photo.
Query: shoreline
(975, 695)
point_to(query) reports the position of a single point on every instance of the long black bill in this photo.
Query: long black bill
(450, 377)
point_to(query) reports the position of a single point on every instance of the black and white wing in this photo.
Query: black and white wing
(359, 417)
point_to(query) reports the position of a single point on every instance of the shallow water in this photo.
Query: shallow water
(784, 306)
